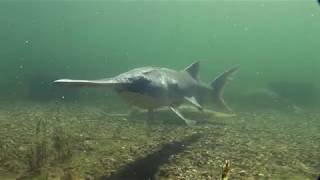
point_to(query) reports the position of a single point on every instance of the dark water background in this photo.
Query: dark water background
(271, 41)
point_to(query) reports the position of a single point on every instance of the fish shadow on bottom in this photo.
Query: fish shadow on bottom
(167, 117)
(146, 168)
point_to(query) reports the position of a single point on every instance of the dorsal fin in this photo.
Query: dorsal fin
(193, 70)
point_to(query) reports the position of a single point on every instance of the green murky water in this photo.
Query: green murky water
(49, 132)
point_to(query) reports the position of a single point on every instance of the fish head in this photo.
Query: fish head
(144, 87)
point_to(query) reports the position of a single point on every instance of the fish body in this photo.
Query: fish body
(154, 87)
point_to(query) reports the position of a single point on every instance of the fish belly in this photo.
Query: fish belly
(143, 101)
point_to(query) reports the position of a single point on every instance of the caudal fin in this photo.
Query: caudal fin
(218, 85)
(85, 83)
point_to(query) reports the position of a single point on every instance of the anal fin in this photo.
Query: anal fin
(194, 102)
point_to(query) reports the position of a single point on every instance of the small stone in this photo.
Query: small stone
(242, 173)
(22, 148)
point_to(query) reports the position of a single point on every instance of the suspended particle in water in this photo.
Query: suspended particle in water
(319, 2)
(26, 41)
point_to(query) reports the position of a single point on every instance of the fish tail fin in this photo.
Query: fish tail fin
(218, 85)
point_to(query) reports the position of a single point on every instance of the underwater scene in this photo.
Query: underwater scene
(159, 90)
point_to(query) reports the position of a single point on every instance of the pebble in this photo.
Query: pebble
(243, 173)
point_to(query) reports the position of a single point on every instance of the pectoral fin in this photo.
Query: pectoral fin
(187, 121)
(194, 102)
